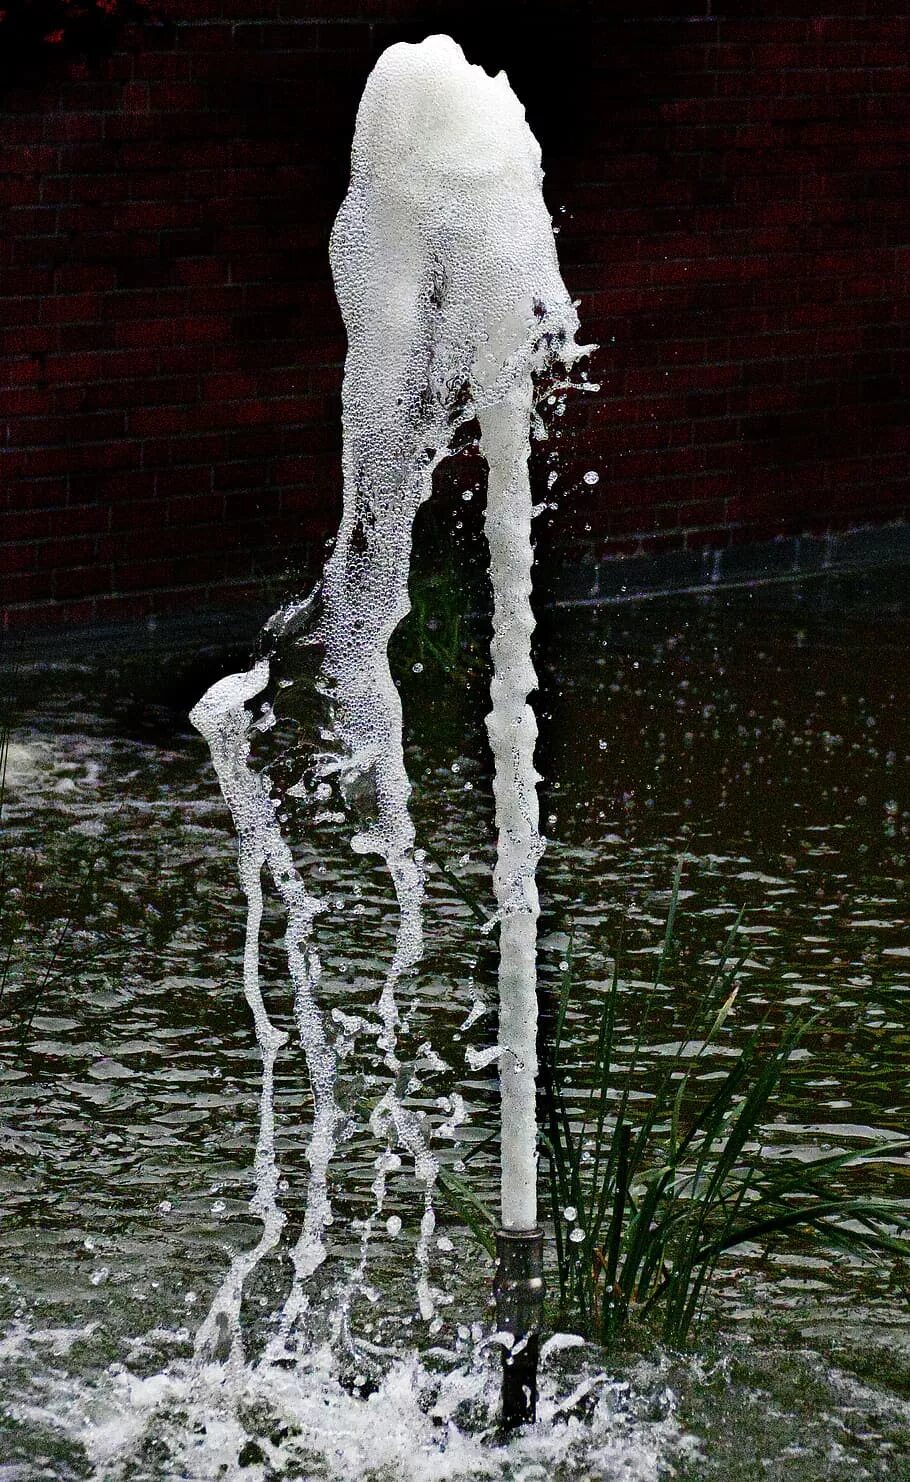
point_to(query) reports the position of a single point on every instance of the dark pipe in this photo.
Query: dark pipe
(518, 1287)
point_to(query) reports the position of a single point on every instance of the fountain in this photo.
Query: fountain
(445, 267)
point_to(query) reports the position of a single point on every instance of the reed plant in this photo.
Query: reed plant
(659, 1191)
(649, 1192)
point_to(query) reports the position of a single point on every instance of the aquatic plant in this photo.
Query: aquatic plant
(646, 1202)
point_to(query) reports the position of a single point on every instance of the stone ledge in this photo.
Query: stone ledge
(587, 582)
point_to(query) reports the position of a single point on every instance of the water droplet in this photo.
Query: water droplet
(592, 477)
(577, 1235)
(393, 1225)
(570, 1213)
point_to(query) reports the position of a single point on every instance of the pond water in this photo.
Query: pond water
(763, 737)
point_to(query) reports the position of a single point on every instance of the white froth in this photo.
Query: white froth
(446, 273)
(419, 1425)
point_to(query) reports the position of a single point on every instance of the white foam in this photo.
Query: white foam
(446, 273)
(417, 1425)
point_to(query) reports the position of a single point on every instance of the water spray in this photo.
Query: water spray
(445, 268)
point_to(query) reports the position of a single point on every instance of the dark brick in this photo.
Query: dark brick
(735, 229)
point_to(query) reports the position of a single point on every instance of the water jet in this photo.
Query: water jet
(446, 273)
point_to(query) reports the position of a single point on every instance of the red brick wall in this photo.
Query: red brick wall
(736, 224)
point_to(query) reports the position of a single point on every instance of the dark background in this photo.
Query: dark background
(732, 195)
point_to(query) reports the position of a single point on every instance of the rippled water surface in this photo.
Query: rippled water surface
(764, 739)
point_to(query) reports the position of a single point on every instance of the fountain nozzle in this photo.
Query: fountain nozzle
(518, 1288)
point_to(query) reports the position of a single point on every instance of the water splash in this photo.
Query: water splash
(419, 1423)
(446, 273)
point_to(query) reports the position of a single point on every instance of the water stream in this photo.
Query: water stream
(445, 267)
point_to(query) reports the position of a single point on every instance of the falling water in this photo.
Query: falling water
(446, 272)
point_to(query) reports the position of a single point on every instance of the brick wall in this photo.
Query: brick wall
(732, 199)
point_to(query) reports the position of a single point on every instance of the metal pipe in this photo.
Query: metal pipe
(518, 1288)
